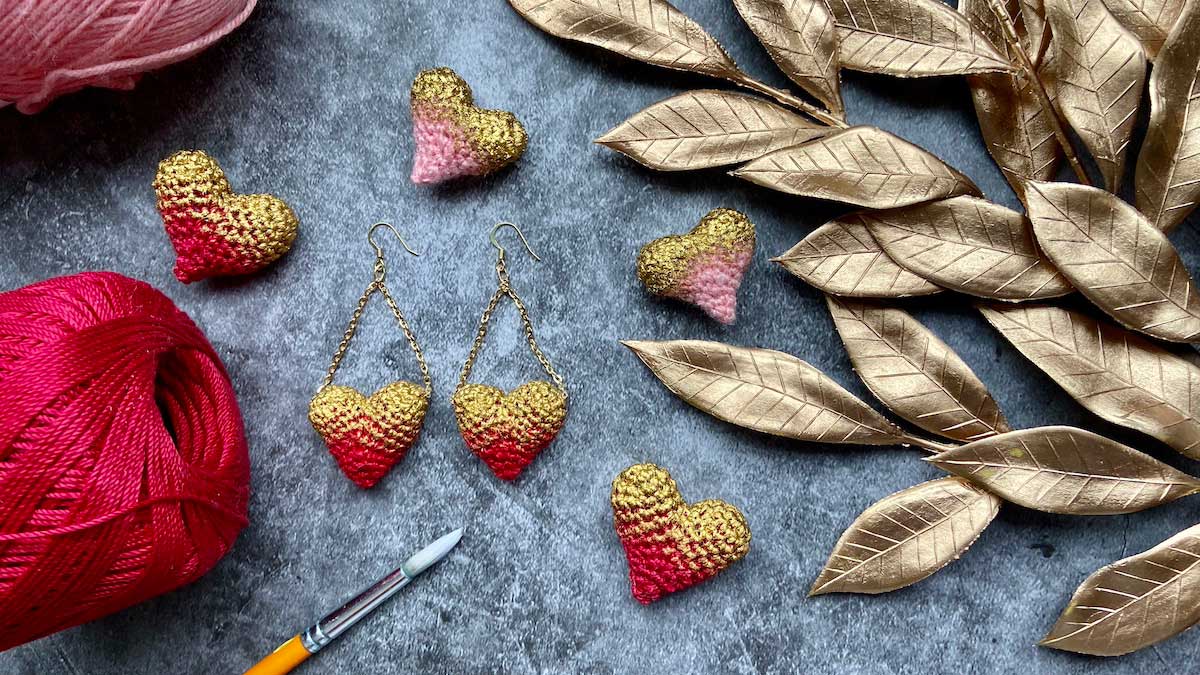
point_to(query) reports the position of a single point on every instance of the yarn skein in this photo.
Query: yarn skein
(124, 471)
(54, 47)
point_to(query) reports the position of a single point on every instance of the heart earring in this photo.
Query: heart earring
(508, 430)
(368, 435)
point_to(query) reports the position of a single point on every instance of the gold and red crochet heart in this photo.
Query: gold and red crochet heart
(368, 435)
(507, 431)
(670, 544)
(215, 231)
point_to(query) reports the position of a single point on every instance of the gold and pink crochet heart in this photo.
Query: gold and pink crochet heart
(703, 267)
(670, 544)
(215, 231)
(453, 137)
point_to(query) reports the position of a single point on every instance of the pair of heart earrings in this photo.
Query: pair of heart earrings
(368, 435)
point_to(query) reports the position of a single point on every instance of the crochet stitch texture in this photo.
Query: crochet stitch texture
(369, 435)
(671, 545)
(215, 231)
(453, 137)
(507, 431)
(703, 267)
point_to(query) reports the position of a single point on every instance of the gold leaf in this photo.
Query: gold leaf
(1149, 20)
(706, 128)
(1168, 167)
(914, 373)
(1116, 258)
(1067, 470)
(1097, 73)
(912, 38)
(860, 165)
(1135, 602)
(653, 31)
(841, 257)
(801, 38)
(1017, 130)
(764, 390)
(1115, 374)
(969, 245)
(906, 537)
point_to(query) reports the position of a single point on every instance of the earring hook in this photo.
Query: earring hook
(519, 234)
(378, 249)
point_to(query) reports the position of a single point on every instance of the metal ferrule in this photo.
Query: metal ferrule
(313, 639)
(341, 620)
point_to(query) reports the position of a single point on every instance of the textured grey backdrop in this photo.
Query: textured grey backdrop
(308, 100)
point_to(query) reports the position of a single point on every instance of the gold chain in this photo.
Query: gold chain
(505, 288)
(377, 285)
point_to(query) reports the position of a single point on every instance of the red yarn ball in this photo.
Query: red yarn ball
(123, 464)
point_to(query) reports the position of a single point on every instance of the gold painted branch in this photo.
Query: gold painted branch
(825, 117)
(1030, 73)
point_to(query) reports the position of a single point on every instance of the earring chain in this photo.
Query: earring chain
(504, 288)
(378, 285)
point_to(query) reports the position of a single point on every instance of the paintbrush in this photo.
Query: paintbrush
(293, 652)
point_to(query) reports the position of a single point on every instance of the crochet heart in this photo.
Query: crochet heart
(369, 435)
(453, 137)
(507, 431)
(672, 545)
(703, 267)
(216, 232)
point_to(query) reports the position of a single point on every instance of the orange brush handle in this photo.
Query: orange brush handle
(281, 661)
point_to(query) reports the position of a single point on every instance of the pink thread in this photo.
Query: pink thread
(123, 464)
(712, 282)
(442, 151)
(54, 47)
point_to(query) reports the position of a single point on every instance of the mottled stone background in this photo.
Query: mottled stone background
(308, 100)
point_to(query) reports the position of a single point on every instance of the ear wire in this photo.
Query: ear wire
(519, 234)
(380, 266)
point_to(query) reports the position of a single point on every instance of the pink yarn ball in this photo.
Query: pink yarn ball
(53, 47)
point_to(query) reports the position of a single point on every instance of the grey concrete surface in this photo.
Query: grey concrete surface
(308, 100)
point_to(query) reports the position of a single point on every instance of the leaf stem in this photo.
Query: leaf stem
(1030, 72)
(927, 444)
(822, 116)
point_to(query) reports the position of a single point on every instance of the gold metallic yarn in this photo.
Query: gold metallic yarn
(532, 413)
(388, 420)
(665, 262)
(189, 177)
(496, 136)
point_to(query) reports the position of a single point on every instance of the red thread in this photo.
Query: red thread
(506, 457)
(123, 465)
